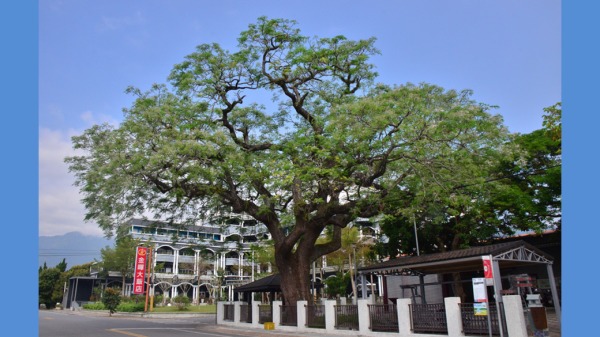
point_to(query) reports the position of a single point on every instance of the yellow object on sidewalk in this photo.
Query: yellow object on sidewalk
(269, 326)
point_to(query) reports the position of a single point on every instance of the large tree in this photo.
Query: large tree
(327, 150)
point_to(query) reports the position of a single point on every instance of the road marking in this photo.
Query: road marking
(126, 333)
(188, 330)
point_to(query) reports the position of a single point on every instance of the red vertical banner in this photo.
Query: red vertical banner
(140, 270)
(487, 267)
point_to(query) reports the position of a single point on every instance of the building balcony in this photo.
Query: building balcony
(233, 261)
(186, 259)
(165, 258)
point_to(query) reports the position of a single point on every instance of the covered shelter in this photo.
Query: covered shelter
(80, 290)
(270, 284)
(503, 256)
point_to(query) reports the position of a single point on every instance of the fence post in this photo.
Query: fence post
(453, 316)
(363, 316)
(515, 318)
(402, 305)
(330, 315)
(236, 312)
(255, 313)
(301, 314)
(277, 313)
(220, 312)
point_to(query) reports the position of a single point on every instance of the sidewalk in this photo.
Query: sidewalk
(251, 331)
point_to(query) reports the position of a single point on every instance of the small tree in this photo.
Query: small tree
(120, 258)
(181, 302)
(337, 285)
(111, 300)
(48, 281)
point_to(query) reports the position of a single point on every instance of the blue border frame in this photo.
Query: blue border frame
(19, 139)
(581, 122)
(19, 148)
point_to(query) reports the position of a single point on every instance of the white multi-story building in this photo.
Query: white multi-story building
(196, 260)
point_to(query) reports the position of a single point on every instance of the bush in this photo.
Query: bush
(94, 306)
(181, 302)
(111, 299)
(158, 300)
(134, 299)
(130, 307)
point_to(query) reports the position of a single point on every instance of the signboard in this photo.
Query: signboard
(480, 309)
(479, 290)
(140, 270)
(487, 267)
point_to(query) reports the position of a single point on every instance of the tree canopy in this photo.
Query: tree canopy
(330, 147)
(522, 194)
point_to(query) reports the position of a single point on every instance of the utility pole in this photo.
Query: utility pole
(416, 236)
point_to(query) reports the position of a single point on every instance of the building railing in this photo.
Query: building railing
(428, 318)
(383, 317)
(165, 258)
(265, 313)
(346, 317)
(478, 325)
(229, 312)
(186, 258)
(289, 315)
(232, 261)
(315, 316)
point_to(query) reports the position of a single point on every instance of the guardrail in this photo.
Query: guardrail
(265, 313)
(229, 312)
(428, 318)
(289, 315)
(315, 316)
(346, 317)
(473, 324)
(383, 317)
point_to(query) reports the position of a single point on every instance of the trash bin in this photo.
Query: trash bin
(537, 315)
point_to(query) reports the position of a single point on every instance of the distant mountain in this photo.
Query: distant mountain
(76, 248)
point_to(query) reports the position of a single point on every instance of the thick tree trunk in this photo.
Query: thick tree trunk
(295, 277)
(456, 277)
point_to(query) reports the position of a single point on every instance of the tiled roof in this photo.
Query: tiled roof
(455, 259)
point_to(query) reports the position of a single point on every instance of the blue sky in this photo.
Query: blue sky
(508, 52)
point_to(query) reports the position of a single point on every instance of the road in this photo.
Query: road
(66, 323)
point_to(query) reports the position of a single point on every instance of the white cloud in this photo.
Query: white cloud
(116, 23)
(60, 210)
(92, 119)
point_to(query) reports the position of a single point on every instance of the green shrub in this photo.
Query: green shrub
(181, 302)
(130, 307)
(134, 299)
(94, 306)
(111, 299)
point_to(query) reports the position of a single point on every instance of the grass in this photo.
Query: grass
(202, 309)
(199, 309)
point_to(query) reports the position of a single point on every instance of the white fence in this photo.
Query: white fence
(229, 313)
